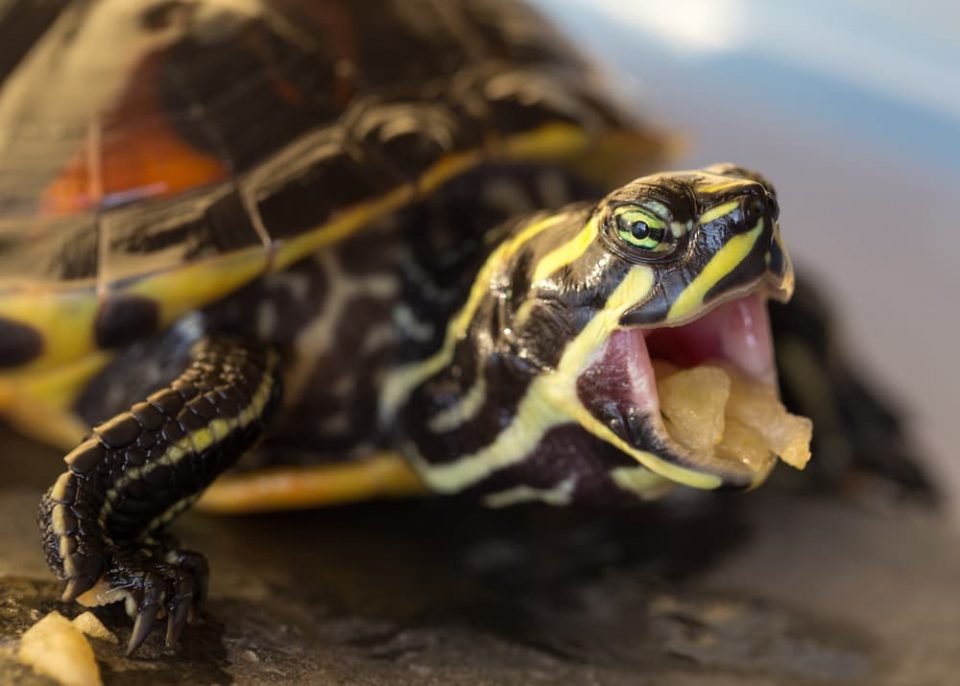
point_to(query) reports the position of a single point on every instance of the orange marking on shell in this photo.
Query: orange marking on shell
(135, 152)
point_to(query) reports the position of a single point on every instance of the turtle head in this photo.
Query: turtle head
(556, 350)
(662, 251)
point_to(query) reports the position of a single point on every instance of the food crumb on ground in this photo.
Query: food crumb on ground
(89, 624)
(56, 648)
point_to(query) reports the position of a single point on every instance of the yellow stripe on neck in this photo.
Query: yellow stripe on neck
(401, 382)
(552, 400)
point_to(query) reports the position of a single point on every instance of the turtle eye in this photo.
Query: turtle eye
(642, 230)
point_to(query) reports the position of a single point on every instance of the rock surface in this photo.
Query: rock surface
(763, 588)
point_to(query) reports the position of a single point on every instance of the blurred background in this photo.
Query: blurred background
(852, 109)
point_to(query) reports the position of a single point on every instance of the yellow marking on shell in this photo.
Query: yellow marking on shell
(561, 494)
(550, 142)
(718, 211)
(615, 157)
(39, 404)
(445, 169)
(723, 262)
(287, 488)
(551, 400)
(401, 382)
(567, 253)
(65, 315)
(65, 320)
(195, 285)
(465, 409)
(344, 224)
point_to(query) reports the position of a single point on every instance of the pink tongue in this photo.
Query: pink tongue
(737, 332)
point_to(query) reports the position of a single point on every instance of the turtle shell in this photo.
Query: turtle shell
(156, 156)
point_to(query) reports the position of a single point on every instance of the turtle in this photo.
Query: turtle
(377, 249)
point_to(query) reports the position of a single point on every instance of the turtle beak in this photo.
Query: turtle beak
(779, 279)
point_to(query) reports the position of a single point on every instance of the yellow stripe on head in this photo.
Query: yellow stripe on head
(567, 253)
(715, 213)
(724, 262)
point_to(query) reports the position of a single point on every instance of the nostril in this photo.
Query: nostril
(753, 209)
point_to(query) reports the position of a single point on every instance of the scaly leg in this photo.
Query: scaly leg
(103, 522)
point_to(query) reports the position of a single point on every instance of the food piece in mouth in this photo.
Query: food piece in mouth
(692, 403)
(758, 406)
(712, 384)
(719, 411)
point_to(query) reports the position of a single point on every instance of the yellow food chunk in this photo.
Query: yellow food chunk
(757, 405)
(94, 628)
(742, 443)
(716, 412)
(56, 648)
(692, 402)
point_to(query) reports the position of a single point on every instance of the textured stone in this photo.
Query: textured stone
(762, 588)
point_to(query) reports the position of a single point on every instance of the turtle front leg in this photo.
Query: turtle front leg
(103, 523)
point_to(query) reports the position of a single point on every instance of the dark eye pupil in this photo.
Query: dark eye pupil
(639, 230)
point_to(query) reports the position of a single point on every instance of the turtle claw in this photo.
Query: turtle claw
(142, 626)
(181, 608)
(176, 621)
(165, 583)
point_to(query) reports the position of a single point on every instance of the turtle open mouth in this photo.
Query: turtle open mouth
(706, 390)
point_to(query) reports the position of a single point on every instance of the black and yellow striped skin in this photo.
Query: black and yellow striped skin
(287, 219)
(103, 520)
(263, 134)
(504, 407)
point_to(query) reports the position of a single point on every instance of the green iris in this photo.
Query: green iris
(641, 229)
